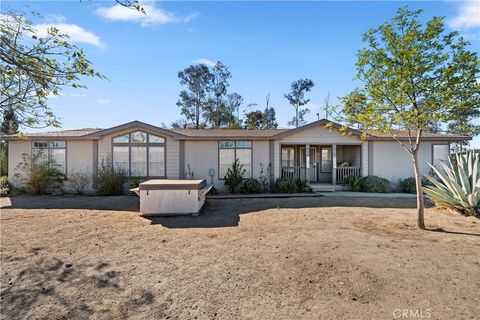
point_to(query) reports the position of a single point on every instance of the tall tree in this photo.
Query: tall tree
(414, 75)
(9, 122)
(32, 68)
(269, 115)
(296, 97)
(233, 103)
(193, 101)
(254, 120)
(218, 91)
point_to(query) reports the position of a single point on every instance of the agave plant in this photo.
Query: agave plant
(458, 184)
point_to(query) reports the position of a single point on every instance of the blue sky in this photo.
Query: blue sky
(266, 45)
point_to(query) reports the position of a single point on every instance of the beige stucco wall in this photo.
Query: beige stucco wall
(79, 157)
(320, 136)
(393, 162)
(172, 150)
(15, 151)
(203, 156)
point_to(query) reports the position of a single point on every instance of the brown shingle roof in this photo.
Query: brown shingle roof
(75, 133)
(229, 133)
(404, 135)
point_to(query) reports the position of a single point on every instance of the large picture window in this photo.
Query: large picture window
(228, 151)
(54, 152)
(139, 154)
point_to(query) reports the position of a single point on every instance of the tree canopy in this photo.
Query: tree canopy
(296, 97)
(415, 78)
(34, 68)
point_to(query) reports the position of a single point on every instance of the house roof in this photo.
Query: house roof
(217, 134)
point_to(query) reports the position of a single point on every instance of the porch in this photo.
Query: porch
(324, 164)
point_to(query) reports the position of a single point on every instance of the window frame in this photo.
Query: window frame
(147, 145)
(234, 148)
(433, 151)
(48, 149)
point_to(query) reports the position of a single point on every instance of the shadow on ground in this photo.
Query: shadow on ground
(112, 203)
(226, 213)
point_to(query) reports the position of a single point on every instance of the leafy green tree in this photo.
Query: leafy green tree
(9, 122)
(217, 111)
(414, 75)
(254, 120)
(193, 101)
(269, 116)
(296, 97)
(32, 68)
(232, 110)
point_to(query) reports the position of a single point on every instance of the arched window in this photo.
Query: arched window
(139, 154)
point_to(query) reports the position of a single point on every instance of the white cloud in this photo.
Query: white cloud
(76, 33)
(312, 106)
(467, 17)
(152, 16)
(78, 95)
(206, 62)
(103, 101)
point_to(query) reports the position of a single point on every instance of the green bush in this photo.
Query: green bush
(284, 185)
(353, 182)
(408, 185)
(109, 180)
(234, 176)
(458, 183)
(37, 175)
(4, 185)
(302, 185)
(375, 184)
(252, 185)
(78, 180)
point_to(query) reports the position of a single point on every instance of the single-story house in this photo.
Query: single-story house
(312, 152)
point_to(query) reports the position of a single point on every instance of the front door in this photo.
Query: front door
(312, 174)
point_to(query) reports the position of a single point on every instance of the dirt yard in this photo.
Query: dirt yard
(294, 258)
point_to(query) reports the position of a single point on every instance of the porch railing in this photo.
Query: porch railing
(345, 172)
(294, 173)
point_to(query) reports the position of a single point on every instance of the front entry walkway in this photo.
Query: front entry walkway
(326, 187)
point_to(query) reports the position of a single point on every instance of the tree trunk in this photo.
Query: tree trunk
(296, 117)
(420, 201)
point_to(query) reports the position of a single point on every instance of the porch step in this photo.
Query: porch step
(324, 187)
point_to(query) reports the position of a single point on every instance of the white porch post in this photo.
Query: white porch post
(307, 161)
(334, 164)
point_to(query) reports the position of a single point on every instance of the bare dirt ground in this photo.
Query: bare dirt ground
(294, 258)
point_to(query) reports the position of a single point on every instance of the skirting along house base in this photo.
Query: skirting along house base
(316, 152)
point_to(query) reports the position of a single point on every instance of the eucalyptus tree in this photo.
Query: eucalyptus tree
(217, 112)
(296, 97)
(414, 75)
(33, 68)
(195, 98)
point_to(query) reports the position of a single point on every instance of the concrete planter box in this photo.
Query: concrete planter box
(164, 197)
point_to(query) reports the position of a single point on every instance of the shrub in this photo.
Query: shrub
(110, 180)
(408, 185)
(4, 185)
(252, 185)
(265, 176)
(375, 184)
(234, 175)
(302, 185)
(78, 180)
(37, 175)
(134, 182)
(353, 182)
(284, 185)
(458, 185)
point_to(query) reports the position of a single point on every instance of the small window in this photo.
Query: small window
(138, 137)
(226, 145)
(155, 139)
(40, 144)
(57, 144)
(441, 152)
(243, 144)
(121, 139)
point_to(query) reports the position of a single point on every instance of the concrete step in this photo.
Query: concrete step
(320, 187)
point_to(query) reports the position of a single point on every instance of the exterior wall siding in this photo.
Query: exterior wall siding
(80, 157)
(16, 149)
(393, 162)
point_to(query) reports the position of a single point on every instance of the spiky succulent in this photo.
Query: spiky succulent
(458, 184)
